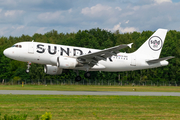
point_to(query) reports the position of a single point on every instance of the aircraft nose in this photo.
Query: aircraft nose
(6, 52)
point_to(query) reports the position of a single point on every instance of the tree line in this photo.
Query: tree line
(97, 39)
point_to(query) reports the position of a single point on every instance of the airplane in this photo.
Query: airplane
(57, 58)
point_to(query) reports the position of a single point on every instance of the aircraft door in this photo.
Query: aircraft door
(31, 48)
(133, 60)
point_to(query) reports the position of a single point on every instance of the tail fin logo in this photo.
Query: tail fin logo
(155, 43)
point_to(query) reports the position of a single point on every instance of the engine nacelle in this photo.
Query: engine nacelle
(52, 70)
(66, 62)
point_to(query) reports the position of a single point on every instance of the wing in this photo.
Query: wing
(93, 58)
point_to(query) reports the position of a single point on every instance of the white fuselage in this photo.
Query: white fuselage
(44, 53)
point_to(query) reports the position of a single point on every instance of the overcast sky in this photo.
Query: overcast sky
(27, 17)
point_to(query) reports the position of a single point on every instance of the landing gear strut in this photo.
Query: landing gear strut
(77, 78)
(28, 66)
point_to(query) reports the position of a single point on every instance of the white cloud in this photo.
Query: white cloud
(70, 10)
(128, 13)
(162, 1)
(50, 16)
(127, 22)
(4, 31)
(97, 10)
(8, 2)
(28, 17)
(10, 17)
(136, 7)
(118, 8)
(123, 30)
(41, 30)
(10, 13)
(20, 27)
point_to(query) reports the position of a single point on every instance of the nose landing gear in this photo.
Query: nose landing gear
(28, 67)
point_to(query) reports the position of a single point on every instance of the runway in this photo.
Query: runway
(44, 92)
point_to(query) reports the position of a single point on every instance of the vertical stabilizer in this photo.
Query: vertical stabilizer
(153, 46)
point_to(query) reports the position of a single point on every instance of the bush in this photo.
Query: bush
(14, 117)
(46, 116)
(36, 117)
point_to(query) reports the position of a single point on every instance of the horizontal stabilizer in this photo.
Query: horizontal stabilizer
(159, 60)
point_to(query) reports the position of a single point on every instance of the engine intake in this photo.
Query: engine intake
(52, 70)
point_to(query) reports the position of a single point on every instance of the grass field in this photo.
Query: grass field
(64, 107)
(92, 88)
(88, 107)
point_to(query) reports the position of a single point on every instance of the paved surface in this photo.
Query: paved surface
(43, 92)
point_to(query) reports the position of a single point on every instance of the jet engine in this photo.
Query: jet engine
(52, 70)
(59, 64)
(66, 62)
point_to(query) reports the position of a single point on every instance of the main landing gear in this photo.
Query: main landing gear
(28, 67)
(78, 78)
(87, 75)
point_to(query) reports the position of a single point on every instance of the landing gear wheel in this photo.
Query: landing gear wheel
(78, 78)
(27, 71)
(87, 75)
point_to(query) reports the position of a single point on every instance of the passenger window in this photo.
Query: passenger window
(20, 46)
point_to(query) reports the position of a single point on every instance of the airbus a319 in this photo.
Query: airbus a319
(57, 58)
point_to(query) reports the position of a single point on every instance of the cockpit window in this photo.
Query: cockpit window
(18, 46)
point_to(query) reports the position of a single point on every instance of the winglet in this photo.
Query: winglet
(130, 45)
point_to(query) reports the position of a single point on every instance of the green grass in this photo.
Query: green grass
(92, 107)
(91, 88)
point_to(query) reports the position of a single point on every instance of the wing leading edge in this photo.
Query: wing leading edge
(92, 58)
